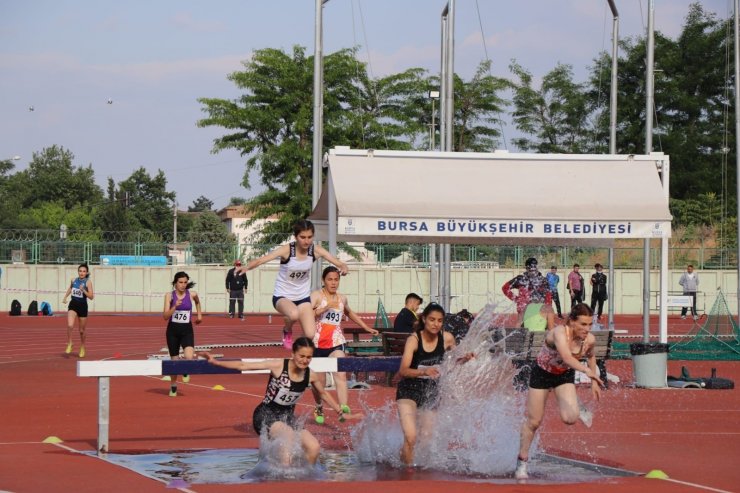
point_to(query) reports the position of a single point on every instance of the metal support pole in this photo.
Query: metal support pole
(613, 142)
(649, 93)
(318, 121)
(332, 204)
(663, 314)
(433, 274)
(103, 414)
(610, 289)
(447, 107)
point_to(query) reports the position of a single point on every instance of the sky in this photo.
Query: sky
(152, 59)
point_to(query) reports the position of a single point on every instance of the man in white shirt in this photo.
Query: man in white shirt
(690, 283)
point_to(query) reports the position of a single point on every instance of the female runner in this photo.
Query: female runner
(417, 392)
(561, 354)
(329, 308)
(178, 311)
(293, 284)
(81, 289)
(275, 415)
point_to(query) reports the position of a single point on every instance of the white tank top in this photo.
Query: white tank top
(294, 277)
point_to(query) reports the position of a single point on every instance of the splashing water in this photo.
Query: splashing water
(479, 415)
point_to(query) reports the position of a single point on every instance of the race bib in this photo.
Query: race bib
(285, 397)
(298, 275)
(77, 293)
(331, 317)
(181, 316)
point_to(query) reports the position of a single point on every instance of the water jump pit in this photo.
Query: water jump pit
(244, 466)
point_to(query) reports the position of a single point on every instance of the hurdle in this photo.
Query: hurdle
(104, 370)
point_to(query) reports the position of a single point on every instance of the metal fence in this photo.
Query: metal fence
(46, 247)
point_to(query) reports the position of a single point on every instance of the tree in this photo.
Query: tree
(237, 201)
(553, 118)
(148, 201)
(113, 216)
(271, 123)
(477, 110)
(51, 178)
(210, 239)
(692, 101)
(201, 204)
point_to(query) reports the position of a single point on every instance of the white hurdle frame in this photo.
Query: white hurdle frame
(104, 370)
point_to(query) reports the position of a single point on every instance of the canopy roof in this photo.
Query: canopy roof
(495, 198)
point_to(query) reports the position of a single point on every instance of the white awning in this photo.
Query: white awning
(496, 198)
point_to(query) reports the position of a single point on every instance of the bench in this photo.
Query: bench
(523, 346)
(362, 347)
(393, 344)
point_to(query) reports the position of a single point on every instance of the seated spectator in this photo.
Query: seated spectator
(458, 324)
(407, 317)
(538, 317)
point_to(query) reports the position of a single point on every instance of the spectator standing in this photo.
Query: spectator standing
(236, 286)
(538, 317)
(407, 317)
(598, 291)
(575, 286)
(690, 283)
(531, 287)
(553, 279)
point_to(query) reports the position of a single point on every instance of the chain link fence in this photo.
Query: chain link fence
(48, 247)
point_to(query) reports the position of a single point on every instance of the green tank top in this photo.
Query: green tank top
(533, 319)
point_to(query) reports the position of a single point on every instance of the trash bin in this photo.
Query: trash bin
(650, 364)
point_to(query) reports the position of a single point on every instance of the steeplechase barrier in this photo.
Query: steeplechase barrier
(104, 370)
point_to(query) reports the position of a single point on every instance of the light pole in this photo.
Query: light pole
(433, 95)
(433, 268)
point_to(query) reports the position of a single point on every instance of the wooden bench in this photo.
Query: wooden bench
(370, 346)
(393, 344)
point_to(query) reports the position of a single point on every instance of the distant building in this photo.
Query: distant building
(235, 218)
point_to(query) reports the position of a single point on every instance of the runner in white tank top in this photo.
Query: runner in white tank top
(294, 276)
(293, 285)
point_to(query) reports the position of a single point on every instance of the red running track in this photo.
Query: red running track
(691, 435)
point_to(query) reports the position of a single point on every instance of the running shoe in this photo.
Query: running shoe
(287, 340)
(82, 352)
(521, 469)
(318, 414)
(173, 391)
(696, 317)
(69, 348)
(345, 409)
(683, 317)
(185, 378)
